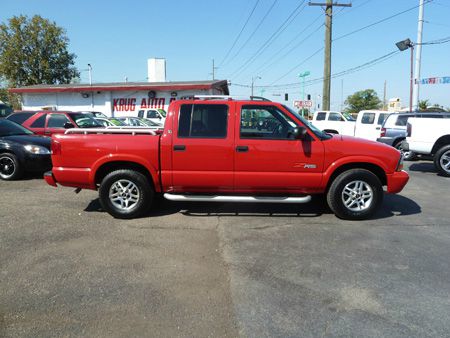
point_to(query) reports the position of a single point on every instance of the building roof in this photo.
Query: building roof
(119, 86)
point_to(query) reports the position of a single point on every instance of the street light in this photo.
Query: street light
(303, 76)
(90, 84)
(253, 81)
(402, 46)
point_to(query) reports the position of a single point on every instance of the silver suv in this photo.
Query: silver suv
(393, 130)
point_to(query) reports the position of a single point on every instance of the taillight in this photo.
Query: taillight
(383, 132)
(408, 129)
(56, 147)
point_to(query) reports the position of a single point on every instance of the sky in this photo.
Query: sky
(282, 38)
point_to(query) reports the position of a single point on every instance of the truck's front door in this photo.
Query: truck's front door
(203, 148)
(268, 159)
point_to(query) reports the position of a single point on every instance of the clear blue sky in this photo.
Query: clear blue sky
(117, 38)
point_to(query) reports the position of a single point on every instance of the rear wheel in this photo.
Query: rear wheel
(10, 168)
(408, 155)
(126, 194)
(442, 161)
(355, 194)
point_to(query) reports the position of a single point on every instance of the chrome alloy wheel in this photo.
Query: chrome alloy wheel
(445, 161)
(7, 167)
(124, 194)
(357, 196)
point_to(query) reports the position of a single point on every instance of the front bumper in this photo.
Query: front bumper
(397, 181)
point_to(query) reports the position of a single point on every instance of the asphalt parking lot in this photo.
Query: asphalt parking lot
(224, 270)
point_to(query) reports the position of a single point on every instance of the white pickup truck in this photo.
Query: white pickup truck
(430, 136)
(367, 125)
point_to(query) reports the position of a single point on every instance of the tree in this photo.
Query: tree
(362, 100)
(34, 51)
(423, 104)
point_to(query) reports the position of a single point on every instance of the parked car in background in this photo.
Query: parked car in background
(21, 150)
(53, 122)
(393, 130)
(109, 122)
(139, 122)
(5, 110)
(367, 125)
(157, 115)
(95, 114)
(430, 136)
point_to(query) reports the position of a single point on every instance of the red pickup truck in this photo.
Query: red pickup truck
(220, 149)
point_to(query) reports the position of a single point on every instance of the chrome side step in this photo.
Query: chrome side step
(225, 198)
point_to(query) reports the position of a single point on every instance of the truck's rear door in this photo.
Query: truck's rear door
(203, 147)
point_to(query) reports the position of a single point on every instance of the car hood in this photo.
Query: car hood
(29, 139)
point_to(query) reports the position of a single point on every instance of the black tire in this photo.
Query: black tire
(10, 167)
(371, 186)
(442, 160)
(127, 200)
(408, 155)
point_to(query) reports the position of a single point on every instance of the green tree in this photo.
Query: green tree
(362, 100)
(423, 104)
(34, 51)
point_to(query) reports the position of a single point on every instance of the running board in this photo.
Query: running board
(225, 198)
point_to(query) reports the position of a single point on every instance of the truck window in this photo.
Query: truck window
(265, 122)
(381, 118)
(335, 117)
(368, 118)
(39, 122)
(203, 121)
(152, 114)
(321, 116)
(141, 113)
(57, 121)
(402, 120)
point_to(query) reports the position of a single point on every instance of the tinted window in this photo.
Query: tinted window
(151, 114)
(402, 120)
(335, 117)
(57, 121)
(203, 120)
(8, 128)
(368, 118)
(321, 116)
(141, 113)
(39, 122)
(20, 118)
(265, 122)
(381, 118)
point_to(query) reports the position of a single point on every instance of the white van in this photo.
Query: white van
(156, 115)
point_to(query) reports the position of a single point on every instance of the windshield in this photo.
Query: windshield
(162, 112)
(85, 120)
(348, 117)
(319, 133)
(8, 128)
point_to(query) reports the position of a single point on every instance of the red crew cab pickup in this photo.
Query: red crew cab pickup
(221, 149)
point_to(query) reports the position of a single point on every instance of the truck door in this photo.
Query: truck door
(203, 148)
(267, 159)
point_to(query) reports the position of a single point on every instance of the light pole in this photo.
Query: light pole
(404, 45)
(303, 76)
(90, 84)
(253, 81)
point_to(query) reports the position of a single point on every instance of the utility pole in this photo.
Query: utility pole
(327, 57)
(418, 56)
(384, 96)
(213, 70)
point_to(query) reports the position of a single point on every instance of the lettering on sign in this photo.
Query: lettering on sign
(129, 104)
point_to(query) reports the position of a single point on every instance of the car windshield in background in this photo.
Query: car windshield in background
(8, 128)
(348, 117)
(319, 133)
(85, 120)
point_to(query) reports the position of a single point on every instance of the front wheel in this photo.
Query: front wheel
(442, 161)
(126, 194)
(355, 194)
(10, 168)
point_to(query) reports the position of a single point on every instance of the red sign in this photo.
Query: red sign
(130, 103)
(303, 104)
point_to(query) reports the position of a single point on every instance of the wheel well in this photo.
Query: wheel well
(106, 168)
(442, 141)
(397, 140)
(378, 171)
(332, 131)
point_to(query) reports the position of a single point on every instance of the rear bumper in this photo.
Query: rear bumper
(397, 181)
(50, 179)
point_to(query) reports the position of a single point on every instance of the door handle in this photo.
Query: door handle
(179, 147)
(378, 128)
(242, 149)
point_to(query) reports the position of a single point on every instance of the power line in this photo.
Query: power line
(436, 42)
(239, 35)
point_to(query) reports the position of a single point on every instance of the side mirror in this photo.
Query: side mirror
(68, 125)
(159, 116)
(299, 133)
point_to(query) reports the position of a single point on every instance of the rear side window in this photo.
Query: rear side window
(321, 116)
(57, 121)
(203, 121)
(381, 118)
(335, 117)
(402, 120)
(151, 114)
(20, 118)
(368, 118)
(39, 122)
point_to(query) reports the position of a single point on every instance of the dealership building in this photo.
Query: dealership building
(118, 99)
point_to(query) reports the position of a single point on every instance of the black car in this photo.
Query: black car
(22, 151)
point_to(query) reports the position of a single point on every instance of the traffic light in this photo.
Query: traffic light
(308, 97)
(286, 96)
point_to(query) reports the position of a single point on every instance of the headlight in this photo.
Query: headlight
(400, 163)
(36, 149)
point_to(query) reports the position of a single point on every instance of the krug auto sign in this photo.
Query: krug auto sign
(133, 103)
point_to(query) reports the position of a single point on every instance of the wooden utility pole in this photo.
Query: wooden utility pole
(327, 58)
(213, 70)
